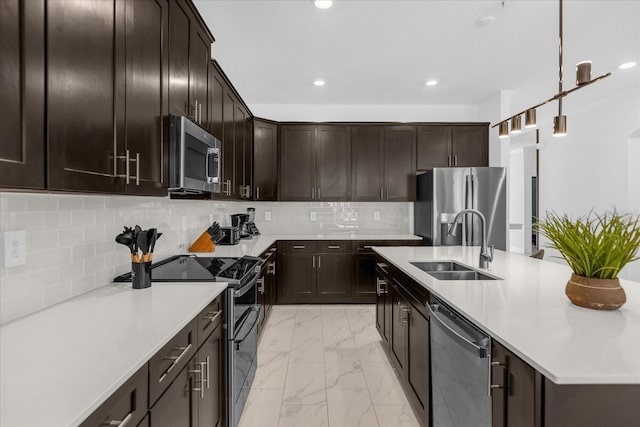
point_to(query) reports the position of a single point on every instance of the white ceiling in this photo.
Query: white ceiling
(382, 52)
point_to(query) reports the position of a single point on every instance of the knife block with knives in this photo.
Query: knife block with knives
(141, 244)
(207, 240)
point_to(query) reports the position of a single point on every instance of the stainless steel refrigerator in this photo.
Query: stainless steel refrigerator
(443, 192)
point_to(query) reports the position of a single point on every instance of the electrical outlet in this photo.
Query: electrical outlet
(376, 215)
(312, 216)
(15, 248)
(183, 222)
(267, 215)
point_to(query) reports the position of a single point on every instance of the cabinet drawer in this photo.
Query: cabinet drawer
(209, 318)
(128, 405)
(167, 363)
(299, 246)
(329, 247)
(366, 245)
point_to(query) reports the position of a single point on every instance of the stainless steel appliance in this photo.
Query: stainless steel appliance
(195, 158)
(460, 370)
(240, 221)
(443, 192)
(241, 314)
(230, 236)
(251, 225)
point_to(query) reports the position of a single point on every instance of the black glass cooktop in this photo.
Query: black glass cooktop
(186, 268)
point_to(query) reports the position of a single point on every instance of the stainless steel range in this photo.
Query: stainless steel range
(241, 314)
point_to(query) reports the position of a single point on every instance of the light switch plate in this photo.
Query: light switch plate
(312, 216)
(376, 215)
(267, 215)
(15, 248)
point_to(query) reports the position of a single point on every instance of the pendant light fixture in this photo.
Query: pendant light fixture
(583, 79)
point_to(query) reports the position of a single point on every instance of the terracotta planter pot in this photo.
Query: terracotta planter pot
(598, 294)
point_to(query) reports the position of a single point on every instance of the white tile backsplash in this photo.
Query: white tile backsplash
(70, 243)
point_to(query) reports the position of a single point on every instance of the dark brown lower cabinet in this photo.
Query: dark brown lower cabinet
(209, 361)
(398, 322)
(178, 405)
(144, 422)
(296, 272)
(266, 286)
(418, 360)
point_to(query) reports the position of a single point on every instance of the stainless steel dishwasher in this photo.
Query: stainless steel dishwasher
(460, 370)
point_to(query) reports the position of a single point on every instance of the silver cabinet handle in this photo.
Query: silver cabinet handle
(260, 283)
(200, 113)
(272, 268)
(379, 286)
(333, 247)
(257, 193)
(228, 190)
(313, 193)
(405, 310)
(213, 315)
(455, 160)
(299, 246)
(137, 168)
(318, 192)
(118, 423)
(176, 360)
(319, 259)
(313, 261)
(128, 167)
(204, 367)
(208, 382)
(201, 380)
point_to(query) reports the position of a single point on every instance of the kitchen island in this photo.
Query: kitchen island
(584, 364)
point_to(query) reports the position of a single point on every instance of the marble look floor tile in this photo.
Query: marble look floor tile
(307, 347)
(351, 408)
(275, 340)
(383, 384)
(343, 369)
(396, 416)
(305, 384)
(372, 352)
(303, 416)
(272, 369)
(262, 408)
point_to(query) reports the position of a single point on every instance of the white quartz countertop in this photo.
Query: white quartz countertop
(258, 244)
(58, 365)
(529, 313)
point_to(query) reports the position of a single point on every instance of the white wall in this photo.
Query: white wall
(70, 243)
(366, 113)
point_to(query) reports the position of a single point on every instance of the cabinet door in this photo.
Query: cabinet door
(147, 97)
(210, 358)
(178, 406)
(470, 145)
(334, 276)
(85, 124)
(398, 324)
(248, 156)
(381, 286)
(433, 148)
(179, 41)
(240, 118)
(364, 285)
(228, 144)
(297, 278)
(333, 163)
(297, 163)
(400, 163)
(367, 166)
(22, 78)
(418, 363)
(216, 102)
(199, 59)
(265, 160)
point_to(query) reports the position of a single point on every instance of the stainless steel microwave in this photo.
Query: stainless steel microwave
(195, 158)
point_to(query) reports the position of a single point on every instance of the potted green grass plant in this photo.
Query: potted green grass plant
(596, 247)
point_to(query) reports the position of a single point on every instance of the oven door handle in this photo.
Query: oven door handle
(243, 290)
(239, 341)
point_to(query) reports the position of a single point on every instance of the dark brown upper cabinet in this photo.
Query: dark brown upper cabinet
(243, 152)
(265, 160)
(216, 102)
(315, 162)
(147, 95)
(452, 145)
(367, 163)
(85, 96)
(22, 85)
(190, 47)
(107, 133)
(383, 163)
(400, 163)
(297, 162)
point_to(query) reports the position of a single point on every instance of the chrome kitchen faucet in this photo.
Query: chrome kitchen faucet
(486, 254)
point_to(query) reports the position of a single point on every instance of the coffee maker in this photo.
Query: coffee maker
(240, 222)
(251, 225)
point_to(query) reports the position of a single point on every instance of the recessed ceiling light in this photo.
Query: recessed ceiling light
(627, 65)
(323, 4)
(431, 82)
(318, 82)
(485, 21)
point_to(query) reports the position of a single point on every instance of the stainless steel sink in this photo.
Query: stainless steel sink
(451, 270)
(441, 266)
(460, 275)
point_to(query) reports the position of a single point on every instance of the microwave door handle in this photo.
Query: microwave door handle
(210, 152)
